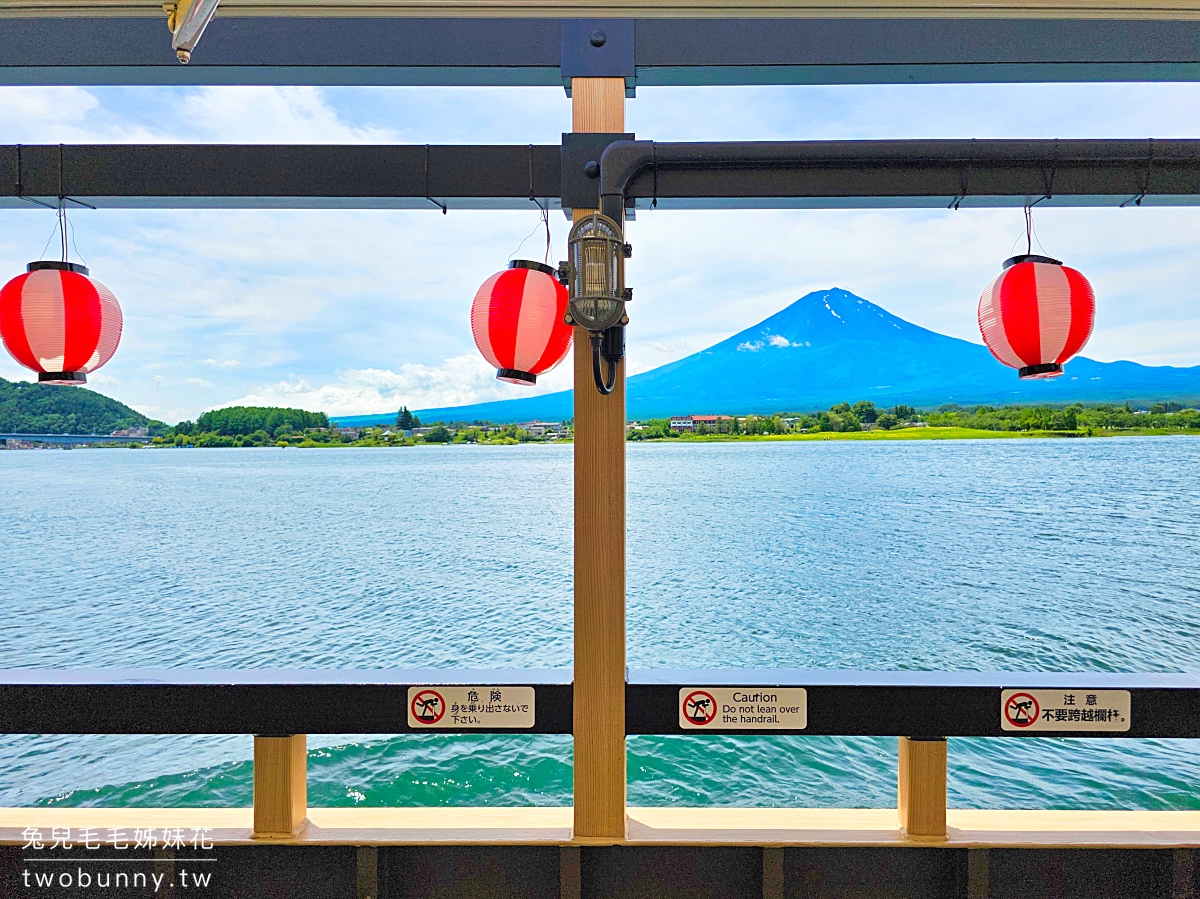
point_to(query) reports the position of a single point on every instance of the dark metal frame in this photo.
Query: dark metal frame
(646, 52)
(812, 174)
(267, 703)
(841, 703)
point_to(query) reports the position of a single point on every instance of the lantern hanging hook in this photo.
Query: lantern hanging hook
(1048, 180)
(543, 210)
(543, 223)
(62, 226)
(1145, 186)
(1030, 232)
(20, 187)
(441, 206)
(654, 158)
(965, 183)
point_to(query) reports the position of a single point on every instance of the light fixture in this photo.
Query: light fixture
(187, 20)
(595, 277)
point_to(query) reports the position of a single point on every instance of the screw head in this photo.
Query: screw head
(597, 38)
(591, 168)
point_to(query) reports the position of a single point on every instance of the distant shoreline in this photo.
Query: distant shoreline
(928, 433)
(898, 434)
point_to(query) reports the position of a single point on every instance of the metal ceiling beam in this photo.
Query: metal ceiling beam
(810, 174)
(1054, 9)
(354, 50)
(287, 176)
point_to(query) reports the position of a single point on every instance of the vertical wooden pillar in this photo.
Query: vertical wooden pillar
(280, 786)
(921, 799)
(598, 105)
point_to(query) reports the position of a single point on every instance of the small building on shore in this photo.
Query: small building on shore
(551, 429)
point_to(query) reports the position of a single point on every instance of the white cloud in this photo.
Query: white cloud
(63, 115)
(457, 381)
(198, 382)
(271, 115)
(221, 363)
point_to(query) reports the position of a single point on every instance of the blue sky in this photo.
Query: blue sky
(363, 311)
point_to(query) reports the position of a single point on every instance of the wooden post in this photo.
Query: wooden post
(280, 786)
(921, 799)
(598, 105)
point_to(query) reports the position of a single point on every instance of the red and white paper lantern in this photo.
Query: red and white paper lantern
(58, 322)
(1036, 315)
(517, 320)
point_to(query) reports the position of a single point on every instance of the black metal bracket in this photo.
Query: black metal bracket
(598, 48)
(580, 168)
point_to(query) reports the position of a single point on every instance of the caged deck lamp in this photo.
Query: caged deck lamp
(595, 277)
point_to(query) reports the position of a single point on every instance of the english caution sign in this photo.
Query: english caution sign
(743, 708)
(466, 708)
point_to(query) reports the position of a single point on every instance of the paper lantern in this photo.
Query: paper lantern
(1036, 315)
(517, 320)
(58, 322)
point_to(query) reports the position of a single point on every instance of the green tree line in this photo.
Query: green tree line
(245, 420)
(847, 417)
(27, 408)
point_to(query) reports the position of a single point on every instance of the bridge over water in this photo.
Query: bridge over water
(73, 439)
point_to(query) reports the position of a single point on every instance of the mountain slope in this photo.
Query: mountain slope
(831, 346)
(47, 409)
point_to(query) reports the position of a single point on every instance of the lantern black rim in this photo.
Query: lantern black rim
(512, 374)
(1051, 369)
(62, 377)
(54, 265)
(1009, 263)
(535, 266)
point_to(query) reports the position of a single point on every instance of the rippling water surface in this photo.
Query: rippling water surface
(1023, 555)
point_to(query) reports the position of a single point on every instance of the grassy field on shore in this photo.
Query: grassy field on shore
(926, 434)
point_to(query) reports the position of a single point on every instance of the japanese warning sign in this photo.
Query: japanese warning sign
(743, 708)
(469, 707)
(1042, 711)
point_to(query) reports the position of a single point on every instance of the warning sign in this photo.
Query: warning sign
(470, 707)
(743, 708)
(1048, 711)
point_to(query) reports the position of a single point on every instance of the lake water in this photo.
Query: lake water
(1013, 555)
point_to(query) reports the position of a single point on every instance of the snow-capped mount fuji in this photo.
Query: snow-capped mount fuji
(831, 346)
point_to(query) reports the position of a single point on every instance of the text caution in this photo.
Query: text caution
(743, 708)
(461, 708)
(1048, 711)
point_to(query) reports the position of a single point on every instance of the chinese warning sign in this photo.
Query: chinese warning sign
(468, 707)
(1041, 711)
(743, 708)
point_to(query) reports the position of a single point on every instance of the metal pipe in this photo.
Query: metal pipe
(1128, 165)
